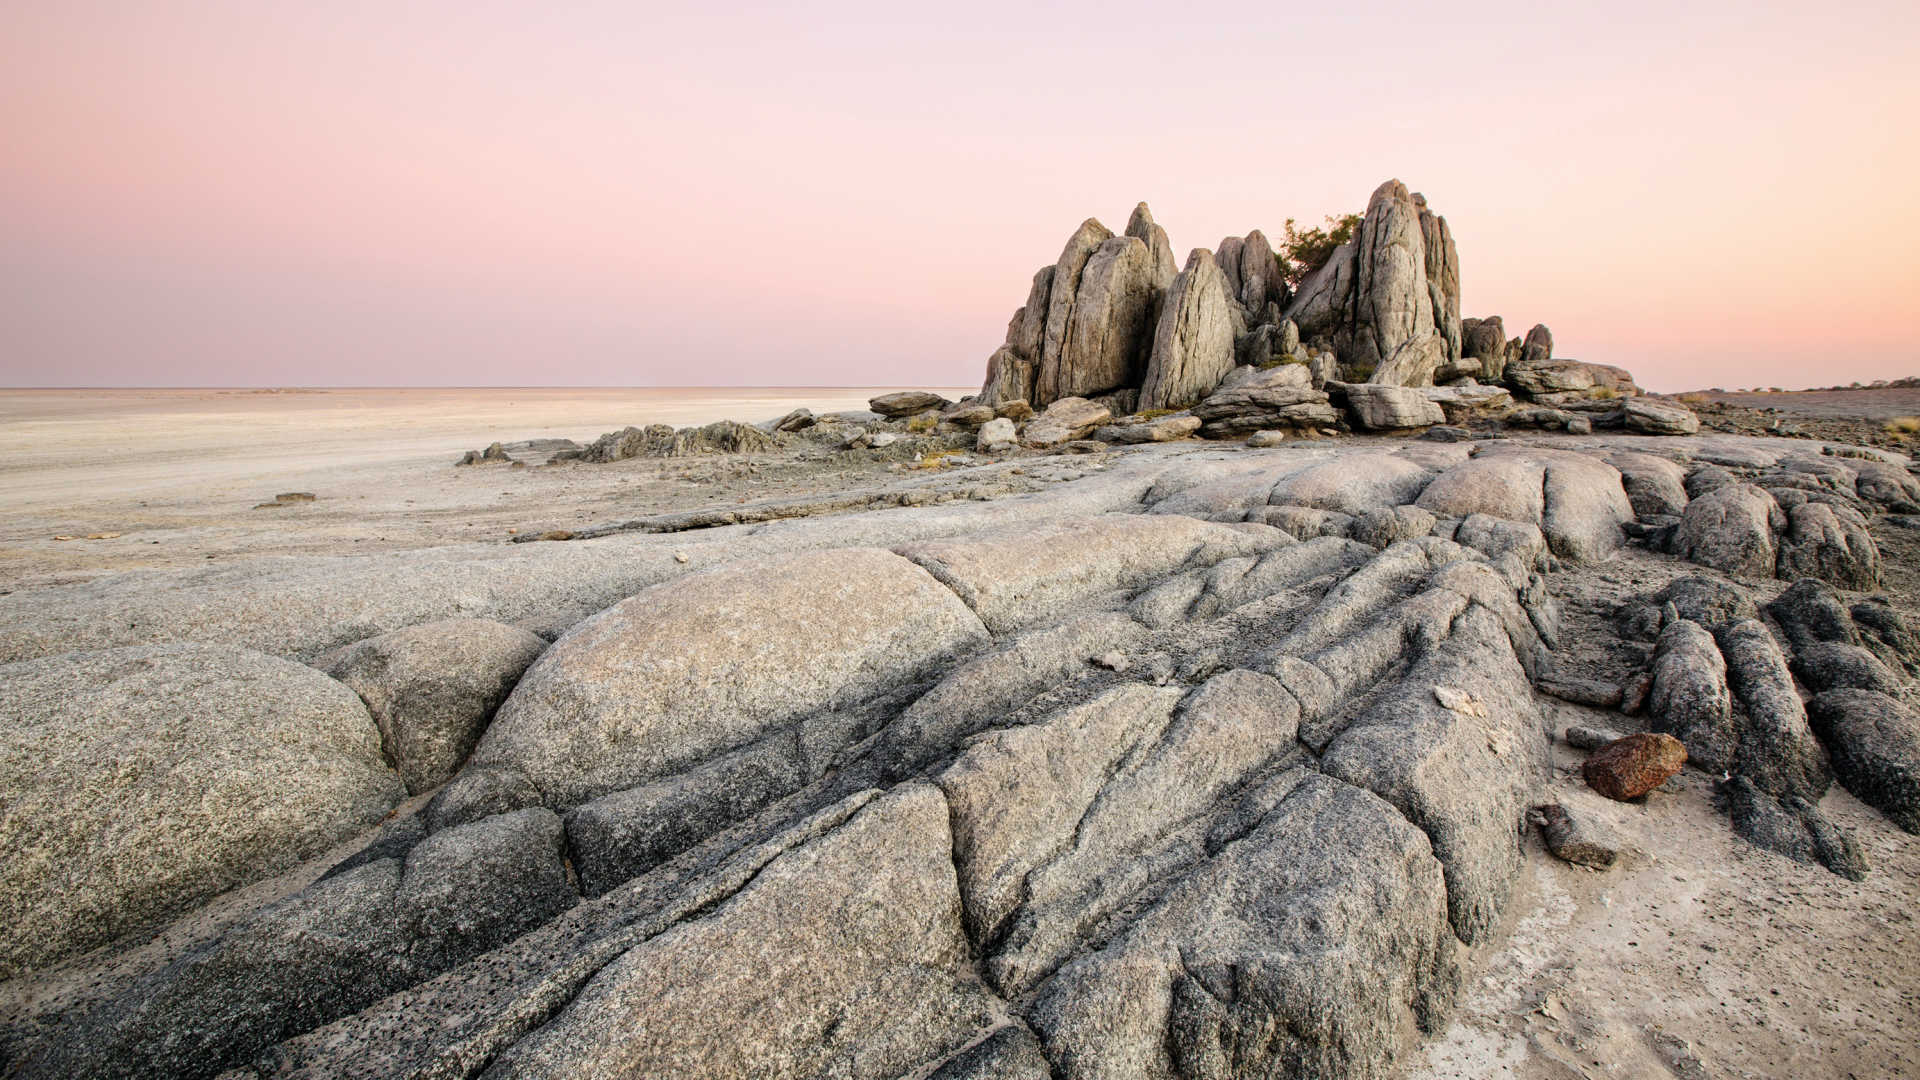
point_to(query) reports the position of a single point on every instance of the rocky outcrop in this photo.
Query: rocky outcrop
(1251, 399)
(663, 440)
(1211, 760)
(1389, 305)
(1193, 348)
(141, 781)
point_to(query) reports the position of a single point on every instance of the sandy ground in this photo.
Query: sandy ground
(178, 473)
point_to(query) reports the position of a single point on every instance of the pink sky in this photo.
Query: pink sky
(493, 193)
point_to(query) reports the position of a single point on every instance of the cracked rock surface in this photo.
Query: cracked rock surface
(1206, 762)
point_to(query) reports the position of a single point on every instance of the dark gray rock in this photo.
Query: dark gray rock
(1887, 633)
(1875, 742)
(1731, 529)
(1792, 826)
(1690, 699)
(1830, 543)
(1777, 750)
(328, 951)
(1810, 612)
(1711, 602)
(432, 689)
(1834, 665)
(1275, 954)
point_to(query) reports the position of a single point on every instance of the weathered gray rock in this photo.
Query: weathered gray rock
(327, 951)
(1810, 612)
(1266, 440)
(1417, 745)
(1068, 418)
(432, 688)
(1010, 377)
(906, 402)
(1655, 486)
(1777, 750)
(1193, 341)
(1711, 602)
(140, 781)
(1562, 383)
(1353, 483)
(662, 440)
(1110, 329)
(1063, 291)
(1443, 278)
(798, 420)
(1577, 501)
(1833, 665)
(1263, 958)
(1393, 407)
(1463, 404)
(1571, 839)
(1382, 526)
(1485, 340)
(1893, 488)
(1886, 634)
(1019, 577)
(1792, 826)
(1653, 416)
(1690, 699)
(1254, 400)
(686, 671)
(792, 999)
(1830, 543)
(1731, 529)
(1875, 742)
(1142, 227)
(1393, 307)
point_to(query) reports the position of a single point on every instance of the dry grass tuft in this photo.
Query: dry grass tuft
(1904, 425)
(1696, 398)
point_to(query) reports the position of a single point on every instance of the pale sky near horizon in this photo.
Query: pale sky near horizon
(257, 192)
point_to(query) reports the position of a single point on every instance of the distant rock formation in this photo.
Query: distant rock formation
(1114, 314)
(1388, 302)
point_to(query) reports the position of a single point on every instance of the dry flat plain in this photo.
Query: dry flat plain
(178, 473)
(1698, 956)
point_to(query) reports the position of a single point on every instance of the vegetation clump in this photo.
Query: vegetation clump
(1306, 250)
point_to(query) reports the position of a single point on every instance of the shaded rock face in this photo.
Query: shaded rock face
(1485, 341)
(1252, 400)
(203, 768)
(1193, 343)
(1111, 324)
(1389, 304)
(432, 688)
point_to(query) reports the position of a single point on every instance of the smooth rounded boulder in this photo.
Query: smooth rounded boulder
(432, 688)
(694, 667)
(140, 781)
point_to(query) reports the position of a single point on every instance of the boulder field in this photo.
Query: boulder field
(1170, 760)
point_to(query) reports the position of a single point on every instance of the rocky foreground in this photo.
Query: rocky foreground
(1172, 760)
